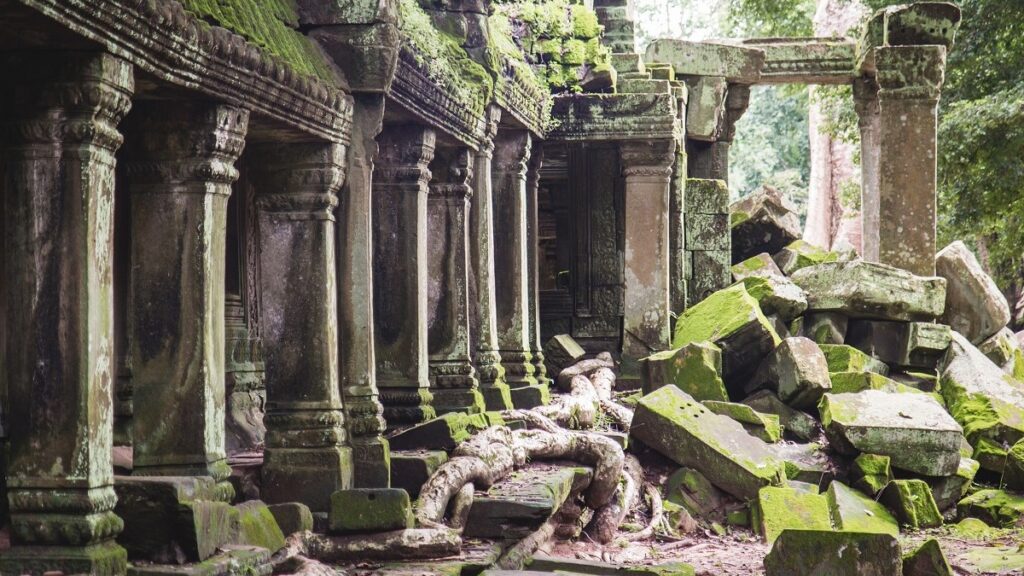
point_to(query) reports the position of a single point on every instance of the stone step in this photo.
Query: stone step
(515, 507)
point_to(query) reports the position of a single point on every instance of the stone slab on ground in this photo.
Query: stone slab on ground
(820, 553)
(292, 517)
(911, 501)
(562, 351)
(551, 564)
(229, 561)
(781, 508)
(794, 422)
(695, 368)
(443, 433)
(914, 430)
(927, 560)
(869, 290)
(410, 469)
(797, 371)
(852, 511)
(691, 490)
(975, 307)
(673, 423)
(515, 507)
(361, 510)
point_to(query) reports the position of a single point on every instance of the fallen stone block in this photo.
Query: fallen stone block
(695, 368)
(257, 526)
(975, 307)
(923, 381)
(527, 397)
(696, 494)
(292, 517)
(562, 351)
(777, 296)
(997, 508)
(912, 429)
(1013, 471)
(871, 473)
(992, 560)
(444, 433)
(911, 501)
(762, 222)
(987, 402)
(673, 423)
(802, 254)
(551, 565)
(411, 544)
(825, 327)
(805, 462)
(927, 560)
(733, 321)
(763, 426)
(797, 370)
(759, 265)
(852, 511)
(990, 454)
(781, 508)
(918, 345)
(869, 290)
(362, 510)
(1004, 349)
(842, 358)
(821, 552)
(853, 382)
(516, 507)
(948, 490)
(794, 423)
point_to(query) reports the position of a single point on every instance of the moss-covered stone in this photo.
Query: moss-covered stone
(370, 510)
(777, 295)
(763, 426)
(1013, 471)
(948, 490)
(990, 454)
(795, 424)
(820, 552)
(996, 507)
(853, 382)
(825, 327)
(257, 526)
(444, 433)
(842, 358)
(912, 503)
(801, 254)
(852, 511)
(805, 462)
(870, 473)
(993, 560)
(870, 290)
(691, 490)
(292, 517)
(695, 368)
(759, 265)
(797, 370)
(974, 529)
(927, 560)
(780, 508)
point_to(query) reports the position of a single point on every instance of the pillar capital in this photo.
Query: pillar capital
(652, 158)
(511, 152)
(452, 175)
(910, 72)
(404, 155)
(492, 118)
(300, 181)
(865, 98)
(737, 99)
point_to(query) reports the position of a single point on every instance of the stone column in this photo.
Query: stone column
(453, 378)
(865, 98)
(910, 82)
(647, 168)
(532, 236)
(677, 233)
(306, 457)
(400, 185)
(180, 168)
(363, 410)
(511, 264)
(59, 141)
(483, 318)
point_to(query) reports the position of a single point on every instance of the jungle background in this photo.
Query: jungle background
(804, 141)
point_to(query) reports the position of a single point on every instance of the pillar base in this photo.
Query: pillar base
(466, 400)
(497, 397)
(218, 471)
(519, 368)
(540, 369)
(489, 370)
(526, 397)
(403, 406)
(371, 462)
(307, 475)
(105, 559)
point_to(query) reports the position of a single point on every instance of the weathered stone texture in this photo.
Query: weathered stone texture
(975, 307)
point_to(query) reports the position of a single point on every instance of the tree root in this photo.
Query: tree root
(532, 419)
(579, 409)
(608, 518)
(517, 556)
(657, 513)
(459, 509)
(584, 368)
(603, 454)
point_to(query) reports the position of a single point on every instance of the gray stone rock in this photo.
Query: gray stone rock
(562, 351)
(515, 507)
(797, 370)
(868, 290)
(777, 296)
(904, 344)
(361, 510)
(759, 265)
(974, 305)
(801, 254)
(1006, 351)
(824, 552)
(914, 430)
(410, 469)
(948, 490)
(825, 327)
(795, 423)
(843, 358)
(762, 222)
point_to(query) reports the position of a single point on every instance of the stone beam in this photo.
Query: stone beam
(306, 458)
(917, 24)
(58, 141)
(737, 64)
(806, 60)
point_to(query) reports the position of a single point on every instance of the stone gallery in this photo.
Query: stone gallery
(428, 287)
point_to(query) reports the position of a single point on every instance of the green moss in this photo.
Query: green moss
(871, 472)
(852, 382)
(854, 512)
(996, 507)
(737, 218)
(995, 560)
(721, 314)
(574, 52)
(584, 22)
(927, 559)
(271, 25)
(763, 426)
(974, 529)
(843, 358)
(781, 509)
(913, 503)
(990, 454)
(695, 369)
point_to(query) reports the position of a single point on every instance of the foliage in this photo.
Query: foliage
(753, 18)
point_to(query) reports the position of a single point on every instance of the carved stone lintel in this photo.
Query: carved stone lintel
(648, 158)
(58, 141)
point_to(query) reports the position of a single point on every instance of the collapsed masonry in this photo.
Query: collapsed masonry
(244, 239)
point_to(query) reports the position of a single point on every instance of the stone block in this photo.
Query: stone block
(763, 426)
(410, 469)
(443, 433)
(706, 196)
(801, 254)
(852, 511)
(777, 295)
(360, 510)
(948, 490)
(758, 265)
(805, 462)
(998, 508)
(733, 320)
(695, 368)
(550, 565)
(927, 560)
(911, 501)
(292, 517)
(990, 454)
(780, 508)
(762, 222)
(795, 423)
(707, 232)
(692, 490)
(671, 422)
(526, 397)
(257, 526)
(975, 307)
(870, 473)
(869, 290)
(517, 506)
(923, 381)
(231, 560)
(912, 429)
(1005, 350)
(853, 382)
(821, 552)
(825, 327)
(734, 63)
(905, 344)
(1013, 471)
(709, 273)
(922, 24)
(562, 351)
(843, 358)
(797, 370)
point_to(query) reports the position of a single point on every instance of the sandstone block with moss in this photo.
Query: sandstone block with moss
(999, 508)
(814, 552)
(912, 503)
(870, 473)
(825, 327)
(808, 463)
(777, 296)
(257, 526)
(671, 422)
(914, 345)
(797, 370)
(781, 508)
(869, 290)
(1013, 471)
(443, 433)
(852, 511)
(948, 490)
(758, 265)
(843, 358)
(562, 351)
(927, 560)
(853, 382)
(360, 510)
(912, 429)
(763, 426)
(768, 224)
(990, 454)
(795, 423)
(801, 254)
(695, 369)
(975, 307)
(692, 490)
(1005, 350)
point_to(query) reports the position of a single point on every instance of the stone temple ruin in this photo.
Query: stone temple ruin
(271, 267)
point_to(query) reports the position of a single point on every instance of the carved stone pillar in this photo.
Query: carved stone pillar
(910, 82)
(453, 378)
(357, 360)
(484, 331)
(647, 167)
(532, 263)
(709, 160)
(511, 262)
(865, 98)
(677, 233)
(180, 168)
(306, 458)
(400, 184)
(58, 146)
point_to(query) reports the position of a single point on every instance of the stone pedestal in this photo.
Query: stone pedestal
(484, 331)
(180, 168)
(511, 262)
(306, 458)
(357, 360)
(865, 98)
(58, 146)
(532, 263)
(400, 184)
(910, 82)
(453, 378)
(647, 167)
